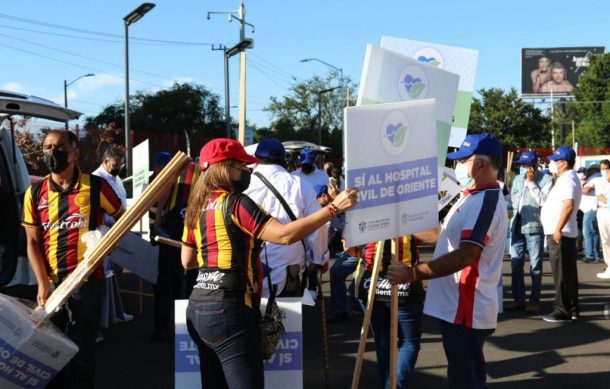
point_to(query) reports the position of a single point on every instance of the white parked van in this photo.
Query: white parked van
(14, 180)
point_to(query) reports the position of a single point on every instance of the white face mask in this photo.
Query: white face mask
(553, 167)
(461, 175)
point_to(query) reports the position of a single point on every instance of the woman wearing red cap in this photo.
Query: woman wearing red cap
(224, 230)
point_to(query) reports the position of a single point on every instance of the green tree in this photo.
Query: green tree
(593, 103)
(516, 123)
(295, 116)
(183, 107)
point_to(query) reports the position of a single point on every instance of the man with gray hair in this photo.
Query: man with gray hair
(109, 169)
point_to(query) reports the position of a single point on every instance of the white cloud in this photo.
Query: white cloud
(92, 84)
(13, 87)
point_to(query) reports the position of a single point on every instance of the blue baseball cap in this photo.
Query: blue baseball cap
(271, 149)
(162, 158)
(563, 153)
(481, 144)
(527, 158)
(308, 156)
(320, 190)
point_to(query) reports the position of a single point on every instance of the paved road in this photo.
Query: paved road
(524, 351)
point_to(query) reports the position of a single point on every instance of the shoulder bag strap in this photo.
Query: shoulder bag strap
(282, 201)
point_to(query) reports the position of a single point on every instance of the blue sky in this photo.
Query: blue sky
(38, 57)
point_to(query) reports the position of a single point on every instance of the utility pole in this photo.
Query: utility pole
(227, 102)
(241, 18)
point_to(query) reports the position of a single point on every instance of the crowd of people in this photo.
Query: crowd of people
(232, 209)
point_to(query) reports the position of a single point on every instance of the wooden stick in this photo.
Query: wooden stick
(147, 199)
(394, 322)
(168, 241)
(367, 316)
(325, 357)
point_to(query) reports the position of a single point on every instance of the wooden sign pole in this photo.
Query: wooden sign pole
(394, 322)
(367, 316)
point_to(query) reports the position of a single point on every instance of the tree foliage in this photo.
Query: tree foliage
(295, 116)
(593, 104)
(183, 107)
(516, 123)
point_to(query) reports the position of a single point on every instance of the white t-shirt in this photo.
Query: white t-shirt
(567, 187)
(301, 198)
(588, 201)
(602, 186)
(469, 296)
(317, 177)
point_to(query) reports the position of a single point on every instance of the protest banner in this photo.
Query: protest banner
(453, 59)
(391, 158)
(389, 77)
(141, 166)
(283, 370)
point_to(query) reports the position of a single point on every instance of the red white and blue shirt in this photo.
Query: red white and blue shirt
(469, 296)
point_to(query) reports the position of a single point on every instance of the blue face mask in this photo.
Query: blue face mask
(523, 171)
(461, 175)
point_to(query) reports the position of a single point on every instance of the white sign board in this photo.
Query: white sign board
(453, 59)
(391, 158)
(448, 189)
(283, 370)
(389, 77)
(29, 357)
(138, 256)
(140, 170)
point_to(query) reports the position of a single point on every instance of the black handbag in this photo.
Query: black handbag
(271, 326)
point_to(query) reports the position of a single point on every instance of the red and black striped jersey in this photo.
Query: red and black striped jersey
(230, 246)
(175, 208)
(407, 253)
(65, 215)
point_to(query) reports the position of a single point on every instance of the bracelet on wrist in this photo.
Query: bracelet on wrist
(331, 210)
(337, 211)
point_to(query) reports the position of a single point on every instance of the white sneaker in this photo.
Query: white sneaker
(604, 276)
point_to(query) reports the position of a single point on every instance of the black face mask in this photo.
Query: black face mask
(307, 168)
(243, 183)
(56, 160)
(115, 172)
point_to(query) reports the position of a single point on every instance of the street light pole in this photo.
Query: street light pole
(340, 70)
(243, 44)
(320, 111)
(131, 18)
(67, 84)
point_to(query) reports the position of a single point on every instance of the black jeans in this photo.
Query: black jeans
(565, 275)
(228, 340)
(79, 318)
(169, 287)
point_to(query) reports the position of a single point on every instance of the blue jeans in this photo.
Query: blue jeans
(409, 340)
(591, 234)
(534, 244)
(464, 351)
(227, 337)
(344, 265)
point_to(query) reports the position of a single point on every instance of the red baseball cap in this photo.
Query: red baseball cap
(222, 149)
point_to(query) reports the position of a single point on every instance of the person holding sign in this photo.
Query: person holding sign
(411, 297)
(467, 263)
(223, 233)
(57, 211)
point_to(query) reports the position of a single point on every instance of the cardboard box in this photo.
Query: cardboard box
(29, 357)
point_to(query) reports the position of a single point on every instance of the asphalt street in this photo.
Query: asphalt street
(524, 350)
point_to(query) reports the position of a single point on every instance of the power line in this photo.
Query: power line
(74, 64)
(83, 56)
(91, 32)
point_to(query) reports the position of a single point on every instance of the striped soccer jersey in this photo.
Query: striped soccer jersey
(65, 215)
(227, 253)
